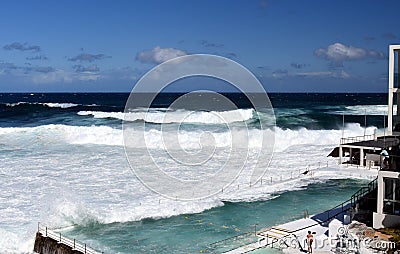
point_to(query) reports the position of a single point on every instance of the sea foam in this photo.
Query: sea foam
(369, 110)
(79, 175)
(106, 135)
(47, 104)
(177, 116)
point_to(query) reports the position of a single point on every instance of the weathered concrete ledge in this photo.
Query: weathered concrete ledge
(46, 245)
(50, 242)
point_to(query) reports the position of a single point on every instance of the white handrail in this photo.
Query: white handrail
(74, 244)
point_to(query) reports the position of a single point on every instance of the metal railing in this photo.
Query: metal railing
(388, 143)
(73, 243)
(225, 246)
(330, 214)
(346, 205)
(308, 170)
(357, 139)
(271, 244)
(362, 192)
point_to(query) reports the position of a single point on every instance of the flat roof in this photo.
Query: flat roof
(380, 143)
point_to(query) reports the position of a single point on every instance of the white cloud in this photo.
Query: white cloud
(61, 76)
(122, 73)
(278, 74)
(159, 55)
(342, 74)
(52, 77)
(22, 47)
(86, 69)
(39, 75)
(338, 53)
(85, 57)
(329, 74)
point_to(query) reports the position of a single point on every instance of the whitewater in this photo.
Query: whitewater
(66, 172)
(43, 184)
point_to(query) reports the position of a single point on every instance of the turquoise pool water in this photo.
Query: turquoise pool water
(192, 233)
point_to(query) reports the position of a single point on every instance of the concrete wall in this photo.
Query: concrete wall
(46, 245)
(385, 221)
(381, 220)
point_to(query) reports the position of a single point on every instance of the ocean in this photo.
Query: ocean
(63, 164)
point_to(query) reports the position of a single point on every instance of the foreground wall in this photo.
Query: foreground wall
(46, 245)
(380, 219)
(385, 221)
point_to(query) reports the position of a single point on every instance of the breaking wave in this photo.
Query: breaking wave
(178, 116)
(105, 135)
(360, 110)
(47, 104)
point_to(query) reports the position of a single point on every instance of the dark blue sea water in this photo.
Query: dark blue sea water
(293, 110)
(63, 164)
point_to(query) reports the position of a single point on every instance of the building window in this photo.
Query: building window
(391, 200)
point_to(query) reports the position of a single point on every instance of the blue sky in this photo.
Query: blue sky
(106, 46)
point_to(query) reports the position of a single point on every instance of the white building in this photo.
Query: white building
(388, 200)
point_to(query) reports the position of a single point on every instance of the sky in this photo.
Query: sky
(107, 46)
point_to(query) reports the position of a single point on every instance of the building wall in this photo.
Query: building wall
(381, 220)
(385, 221)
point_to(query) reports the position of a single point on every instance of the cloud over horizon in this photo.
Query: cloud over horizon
(63, 77)
(91, 68)
(41, 69)
(338, 53)
(22, 47)
(39, 57)
(159, 55)
(339, 74)
(7, 68)
(298, 65)
(208, 44)
(85, 57)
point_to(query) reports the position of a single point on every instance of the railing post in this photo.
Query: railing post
(46, 231)
(60, 237)
(38, 226)
(85, 248)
